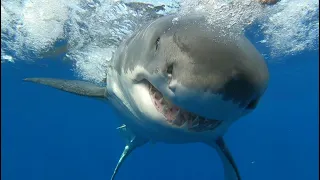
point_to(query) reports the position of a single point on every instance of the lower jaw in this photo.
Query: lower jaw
(179, 118)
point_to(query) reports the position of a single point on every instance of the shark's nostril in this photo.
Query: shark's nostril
(170, 69)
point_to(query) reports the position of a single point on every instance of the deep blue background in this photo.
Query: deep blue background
(48, 134)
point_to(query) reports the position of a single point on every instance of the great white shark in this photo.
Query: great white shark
(179, 80)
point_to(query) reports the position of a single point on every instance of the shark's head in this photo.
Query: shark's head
(183, 73)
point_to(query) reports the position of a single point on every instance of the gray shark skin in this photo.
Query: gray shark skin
(179, 80)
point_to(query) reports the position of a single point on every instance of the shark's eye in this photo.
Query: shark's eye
(157, 43)
(170, 70)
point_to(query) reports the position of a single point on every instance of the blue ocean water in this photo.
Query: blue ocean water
(48, 134)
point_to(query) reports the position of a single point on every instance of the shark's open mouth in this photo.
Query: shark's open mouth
(179, 117)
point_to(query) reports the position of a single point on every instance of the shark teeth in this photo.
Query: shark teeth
(184, 125)
(177, 113)
(161, 100)
(195, 122)
(165, 109)
(177, 117)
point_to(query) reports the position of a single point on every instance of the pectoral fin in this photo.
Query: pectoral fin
(132, 142)
(73, 86)
(231, 171)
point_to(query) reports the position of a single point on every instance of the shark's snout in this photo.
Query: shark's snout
(206, 63)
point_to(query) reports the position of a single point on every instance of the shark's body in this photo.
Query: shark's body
(179, 81)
